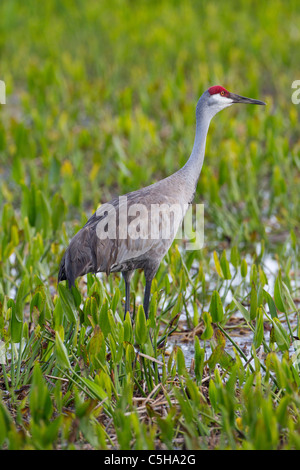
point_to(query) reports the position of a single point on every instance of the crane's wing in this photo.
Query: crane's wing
(124, 234)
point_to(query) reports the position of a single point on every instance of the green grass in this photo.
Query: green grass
(100, 101)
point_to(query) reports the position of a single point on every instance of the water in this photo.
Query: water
(242, 336)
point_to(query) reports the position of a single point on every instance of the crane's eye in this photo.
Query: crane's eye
(222, 93)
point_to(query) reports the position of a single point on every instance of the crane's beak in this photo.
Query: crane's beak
(241, 99)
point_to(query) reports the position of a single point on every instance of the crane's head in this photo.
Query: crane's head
(218, 98)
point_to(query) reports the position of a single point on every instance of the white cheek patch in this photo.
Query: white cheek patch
(221, 100)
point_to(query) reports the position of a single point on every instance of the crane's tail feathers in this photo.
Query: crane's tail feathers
(62, 272)
(65, 272)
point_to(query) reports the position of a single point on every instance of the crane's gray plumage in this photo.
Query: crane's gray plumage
(92, 251)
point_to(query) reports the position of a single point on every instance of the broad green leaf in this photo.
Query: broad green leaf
(94, 388)
(208, 332)
(271, 304)
(129, 357)
(38, 301)
(61, 352)
(213, 395)
(219, 355)
(6, 423)
(43, 220)
(28, 207)
(288, 298)
(96, 347)
(15, 324)
(17, 310)
(23, 291)
(242, 309)
(235, 258)
(218, 265)
(57, 313)
(282, 411)
(244, 268)
(181, 362)
(128, 328)
(68, 304)
(278, 295)
(282, 296)
(58, 209)
(281, 336)
(262, 277)
(199, 359)
(293, 240)
(113, 348)
(104, 318)
(41, 408)
(253, 274)
(15, 235)
(115, 300)
(91, 310)
(141, 333)
(225, 266)
(253, 302)
(216, 307)
(259, 329)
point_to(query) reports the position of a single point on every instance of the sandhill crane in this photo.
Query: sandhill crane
(104, 244)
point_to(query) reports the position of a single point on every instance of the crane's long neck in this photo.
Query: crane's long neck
(193, 167)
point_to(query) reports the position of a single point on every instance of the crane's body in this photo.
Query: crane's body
(95, 249)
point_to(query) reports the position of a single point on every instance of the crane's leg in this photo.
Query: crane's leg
(146, 309)
(127, 277)
(127, 298)
(147, 297)
(149, 271)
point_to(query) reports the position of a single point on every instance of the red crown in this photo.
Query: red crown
(217, 89)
